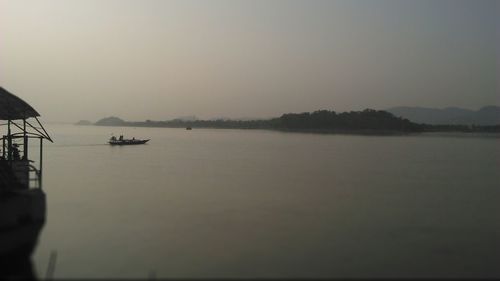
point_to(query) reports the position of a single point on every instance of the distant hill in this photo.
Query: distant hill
(187, 118)
(486, 116)
(366, 121)
(83, 123)
(110, 121)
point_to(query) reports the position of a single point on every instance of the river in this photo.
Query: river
(213, 203)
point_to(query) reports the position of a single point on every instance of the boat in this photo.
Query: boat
(22, 199)
(189, 128)
(121, 141)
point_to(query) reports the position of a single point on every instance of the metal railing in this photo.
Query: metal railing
(36, 180)
(20, 175)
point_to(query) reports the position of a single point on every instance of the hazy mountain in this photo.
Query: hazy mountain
(110, 121)
(224, 118)
(250, 118)
(83, 123)
(187, 118)
(488, 115)
(220, 118)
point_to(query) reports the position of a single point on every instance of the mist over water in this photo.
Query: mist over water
(251, 203)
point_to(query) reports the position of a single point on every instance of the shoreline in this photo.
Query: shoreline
(367, 132)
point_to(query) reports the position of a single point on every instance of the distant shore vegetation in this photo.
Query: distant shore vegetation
(367, 121)
(84, 123)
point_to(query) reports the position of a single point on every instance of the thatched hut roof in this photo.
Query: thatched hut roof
(13, 108)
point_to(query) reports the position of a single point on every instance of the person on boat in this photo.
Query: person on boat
(113, 138)
(15, 152)
(121, 137)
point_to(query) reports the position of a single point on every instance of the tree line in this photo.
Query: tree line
(368, 120)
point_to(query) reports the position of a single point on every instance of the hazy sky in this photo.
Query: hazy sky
(153, 59)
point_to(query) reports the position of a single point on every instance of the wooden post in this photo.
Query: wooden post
(3, 147)
(40, 165)
(25, 142)
(9, 142)
(51, 267)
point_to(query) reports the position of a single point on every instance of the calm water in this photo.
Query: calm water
(248, 203)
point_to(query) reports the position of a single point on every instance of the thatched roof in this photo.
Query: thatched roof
(13, 108)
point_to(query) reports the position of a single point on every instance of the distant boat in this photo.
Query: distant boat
(121, 141)
(189, 128)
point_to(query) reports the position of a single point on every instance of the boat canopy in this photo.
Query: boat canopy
(14, 108)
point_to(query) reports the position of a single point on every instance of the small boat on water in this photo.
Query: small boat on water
(121, 141)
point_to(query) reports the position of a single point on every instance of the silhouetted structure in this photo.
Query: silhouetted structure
(22, 200)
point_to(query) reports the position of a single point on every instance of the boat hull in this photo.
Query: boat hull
(127, 142)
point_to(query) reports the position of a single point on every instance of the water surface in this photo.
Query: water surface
(252, 203)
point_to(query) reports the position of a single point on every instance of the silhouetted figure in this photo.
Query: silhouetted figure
(15, 152)
(121, 137)
(113, 138)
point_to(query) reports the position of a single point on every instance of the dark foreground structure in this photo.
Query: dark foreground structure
(22, 200)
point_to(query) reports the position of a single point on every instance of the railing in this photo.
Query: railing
(16, 170)
(19, 175)
(37, 179)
